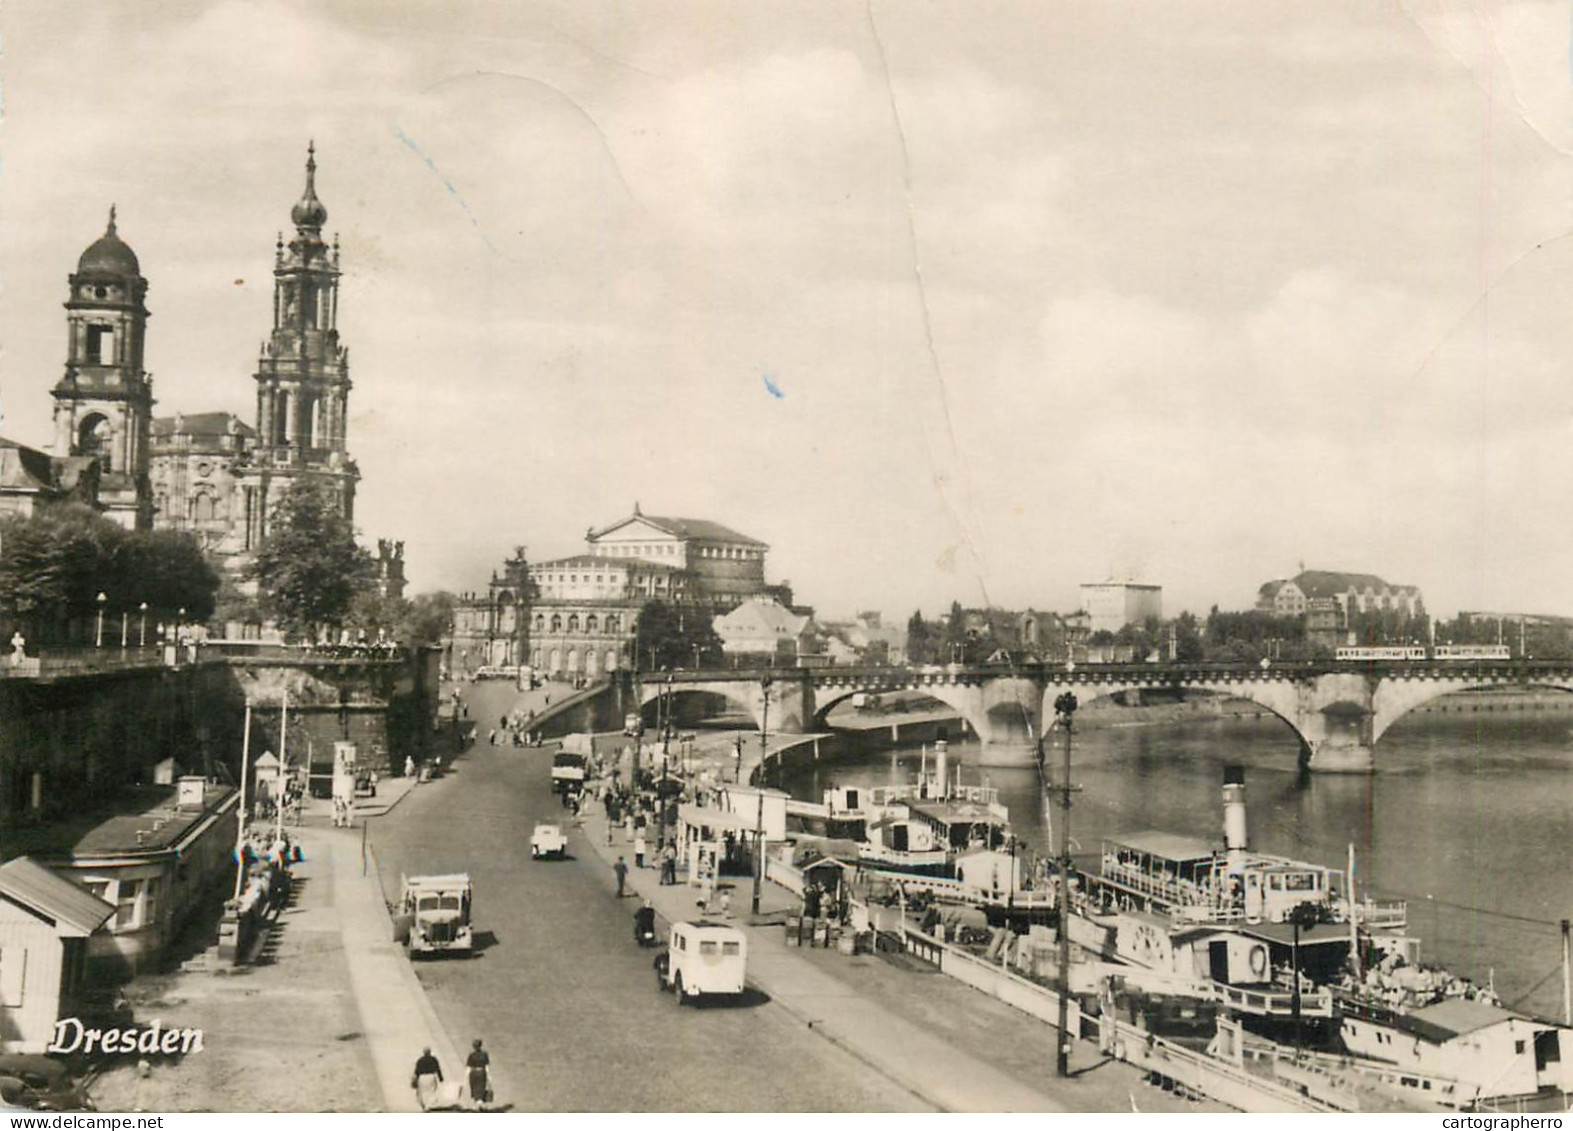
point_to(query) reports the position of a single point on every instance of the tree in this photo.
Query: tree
(428, 618)
(672, 637)
(309, 570)
(1187, 631)
(53, 566)
(920, 640)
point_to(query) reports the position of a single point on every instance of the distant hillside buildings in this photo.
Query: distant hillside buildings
(1111, 605)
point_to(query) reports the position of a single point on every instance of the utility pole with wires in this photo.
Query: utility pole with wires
(1064, 714)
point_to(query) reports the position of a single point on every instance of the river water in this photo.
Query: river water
(1468, 816)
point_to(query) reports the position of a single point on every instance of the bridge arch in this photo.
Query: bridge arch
(826, 699)
(743, 696)
(1396, 697)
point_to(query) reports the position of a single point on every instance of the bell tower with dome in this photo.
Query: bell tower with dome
(303, 381)
(104, 402)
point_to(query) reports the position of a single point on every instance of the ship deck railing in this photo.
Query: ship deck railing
(1380, 914)
(1275, 1003)
(1185, 1068)
(1441, 1090)
(1179, 893)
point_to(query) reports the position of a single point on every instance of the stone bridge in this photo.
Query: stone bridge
(1338, 710)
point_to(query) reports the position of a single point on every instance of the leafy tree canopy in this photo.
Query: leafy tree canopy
(309, 571)
(54, 564)
(671, 637)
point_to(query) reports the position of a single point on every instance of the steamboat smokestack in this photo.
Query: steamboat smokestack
(1234, 834)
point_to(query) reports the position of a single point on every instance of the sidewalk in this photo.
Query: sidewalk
(397, 1021)
(939, 1072)
(281, 1036)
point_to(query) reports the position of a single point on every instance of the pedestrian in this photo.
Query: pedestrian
(628, 826)
(479, 1064)
(620, 869)
(409, 766)
(426, 1080)
(492, 737)
(639, 848)
(669, 863)
(503, 723)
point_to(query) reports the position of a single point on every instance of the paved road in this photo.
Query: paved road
(564, 999)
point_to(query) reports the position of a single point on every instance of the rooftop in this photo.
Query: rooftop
(1329, 583)
(111, 828)
(1167, 846)
(1453, 1018)
(31, 886)
(207, 425)
(684, 529)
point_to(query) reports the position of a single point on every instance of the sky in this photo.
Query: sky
(942, 300)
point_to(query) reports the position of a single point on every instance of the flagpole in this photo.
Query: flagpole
(278, 802)
(240, 823)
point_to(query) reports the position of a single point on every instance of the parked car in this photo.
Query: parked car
(548, 840)
(31, 1082)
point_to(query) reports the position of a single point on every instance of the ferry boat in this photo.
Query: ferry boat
(925, 828)
(1277, 941)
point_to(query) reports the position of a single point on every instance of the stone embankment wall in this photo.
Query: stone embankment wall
(69, 743)
(66, 744)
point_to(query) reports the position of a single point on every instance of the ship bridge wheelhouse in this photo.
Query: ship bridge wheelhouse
(1169, 870)
(961, 825)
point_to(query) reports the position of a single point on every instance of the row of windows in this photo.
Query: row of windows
(670, 550)
(592, 623)
(573, 660)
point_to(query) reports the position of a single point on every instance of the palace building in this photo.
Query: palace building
(578, 615)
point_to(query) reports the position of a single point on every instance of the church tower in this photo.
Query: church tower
(104, 402)
(303, 381)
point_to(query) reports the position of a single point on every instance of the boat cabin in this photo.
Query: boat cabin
(1493, 1053)
(1196, 880)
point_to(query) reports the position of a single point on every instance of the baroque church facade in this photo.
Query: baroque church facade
(211, 473)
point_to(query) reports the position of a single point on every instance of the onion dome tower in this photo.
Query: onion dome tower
(303, 380)
(104, 402)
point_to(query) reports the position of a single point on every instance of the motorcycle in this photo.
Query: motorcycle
(644, 927)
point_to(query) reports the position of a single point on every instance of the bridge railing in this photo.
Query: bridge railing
(78, 661)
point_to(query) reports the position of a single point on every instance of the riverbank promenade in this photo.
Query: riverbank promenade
(951, 1046)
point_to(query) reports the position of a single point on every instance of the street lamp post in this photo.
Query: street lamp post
(142, 625)
(124, 620)
(666, 758)
(98, 636)
(1065, 710)
(759, 793)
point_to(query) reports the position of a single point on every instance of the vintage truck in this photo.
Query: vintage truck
(433, 915)
(568, 772)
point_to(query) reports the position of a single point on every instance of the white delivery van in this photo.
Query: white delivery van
(703, 959)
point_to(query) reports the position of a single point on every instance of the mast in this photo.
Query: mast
(1567, 973)
(1354, 919)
